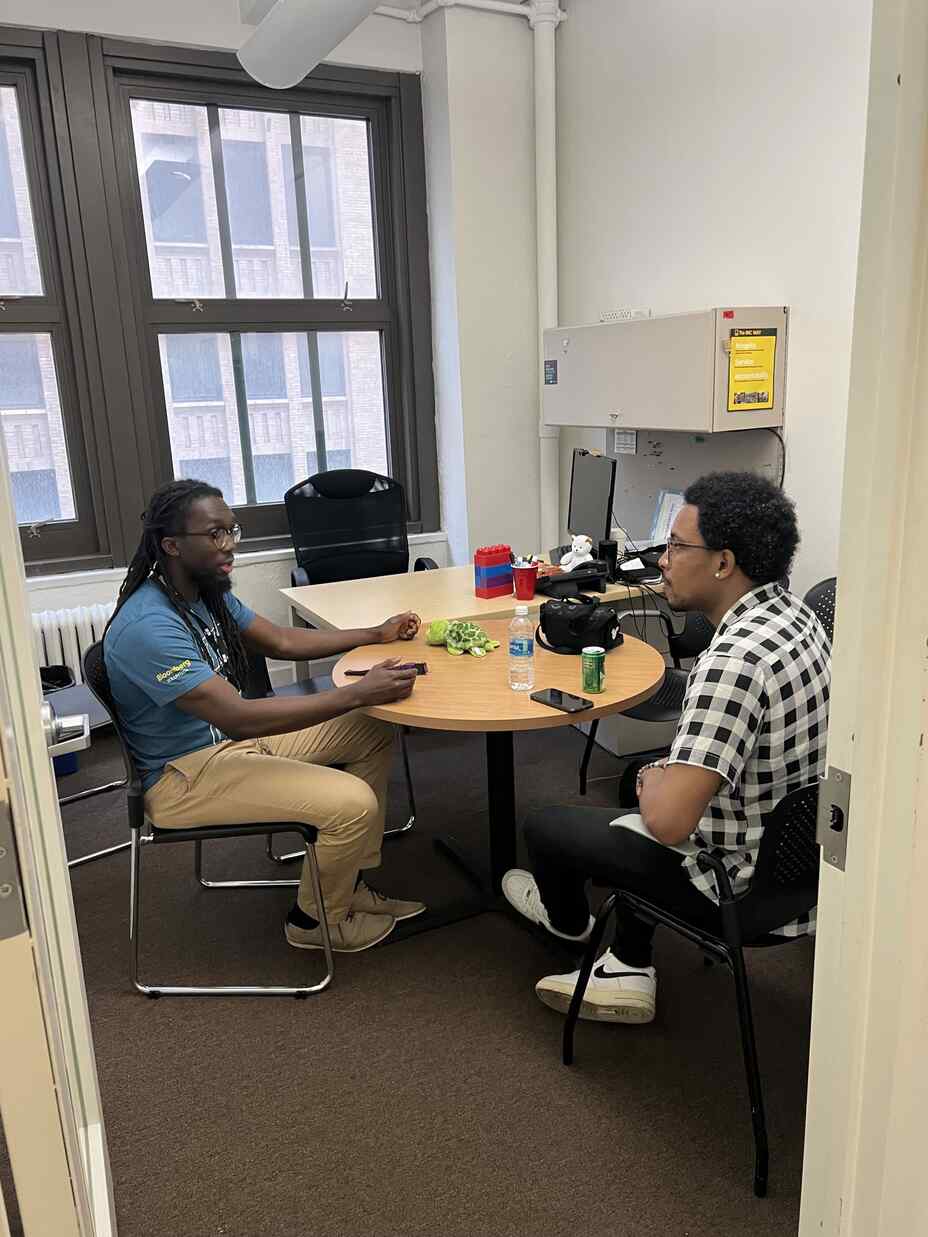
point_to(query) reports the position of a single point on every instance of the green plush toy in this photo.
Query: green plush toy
(468, 638)
(460, 638)
(437, 631)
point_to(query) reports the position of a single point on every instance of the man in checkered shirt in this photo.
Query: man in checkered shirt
(752, 730)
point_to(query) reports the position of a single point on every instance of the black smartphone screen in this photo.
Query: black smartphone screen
(420, 667)
(557, 699)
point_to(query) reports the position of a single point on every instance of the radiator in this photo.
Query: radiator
(62, 637)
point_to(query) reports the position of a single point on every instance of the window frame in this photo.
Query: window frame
(67, 90)
(391, 107)
(80, 543)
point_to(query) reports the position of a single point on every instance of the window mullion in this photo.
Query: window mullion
(315, 380)
(284, 314)
(302, 211)
(222, 201)
(244, 423)
(22, 313)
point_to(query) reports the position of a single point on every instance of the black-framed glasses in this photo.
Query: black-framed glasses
(673, 545)
(220, 537)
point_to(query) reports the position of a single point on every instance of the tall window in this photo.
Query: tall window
(253, 234)
(41, 432)
(226, 282)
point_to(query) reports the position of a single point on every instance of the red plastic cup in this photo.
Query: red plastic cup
(523, 579)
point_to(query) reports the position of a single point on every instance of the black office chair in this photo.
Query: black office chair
(784, 886)
(821, 601)
(259, 687)
(348, 524)
(77, 698)
(667, 702)
(97, 680)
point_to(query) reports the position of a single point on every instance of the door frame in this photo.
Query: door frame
(862, 1173)
(49, 1090)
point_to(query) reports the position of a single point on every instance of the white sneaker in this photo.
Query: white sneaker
(521, 892)
(615, 993)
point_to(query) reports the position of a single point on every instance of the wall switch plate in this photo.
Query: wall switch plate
(625, 442)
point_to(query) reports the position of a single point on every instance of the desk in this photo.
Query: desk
(473, 693)
(447, 593)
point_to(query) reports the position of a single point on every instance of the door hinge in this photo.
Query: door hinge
(834, 805)
(12, 910)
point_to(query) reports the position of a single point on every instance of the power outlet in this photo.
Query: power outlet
(623, 315)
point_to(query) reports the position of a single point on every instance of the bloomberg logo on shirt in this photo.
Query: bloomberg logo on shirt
(174, 672)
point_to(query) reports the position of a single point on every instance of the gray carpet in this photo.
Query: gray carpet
(423, 1093)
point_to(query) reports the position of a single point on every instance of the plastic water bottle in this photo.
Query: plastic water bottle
(521, 651)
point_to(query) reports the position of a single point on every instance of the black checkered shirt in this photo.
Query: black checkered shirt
(755, 711)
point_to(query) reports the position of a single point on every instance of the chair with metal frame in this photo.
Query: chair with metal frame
(77, 699)
(98, 682)
(784, 886)
(667, 702)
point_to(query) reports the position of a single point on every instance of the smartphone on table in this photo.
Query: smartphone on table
(420, 667)
(557, 699)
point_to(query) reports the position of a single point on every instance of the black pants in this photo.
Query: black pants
(570, 845)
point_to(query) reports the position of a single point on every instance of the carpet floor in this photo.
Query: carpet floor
(423, 1094)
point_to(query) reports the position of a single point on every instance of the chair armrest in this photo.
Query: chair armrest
(710, 861)
(425, 564)
(298, 577)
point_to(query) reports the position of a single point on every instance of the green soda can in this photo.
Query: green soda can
(593, 670)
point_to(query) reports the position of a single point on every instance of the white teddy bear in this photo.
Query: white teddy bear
(581, 551)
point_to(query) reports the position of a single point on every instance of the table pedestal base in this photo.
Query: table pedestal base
(501, 794)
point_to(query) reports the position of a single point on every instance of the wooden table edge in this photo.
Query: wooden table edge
(477, 725)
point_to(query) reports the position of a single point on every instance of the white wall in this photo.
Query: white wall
(440, 190)
(380, 42)
(712, 153)
(477, 95)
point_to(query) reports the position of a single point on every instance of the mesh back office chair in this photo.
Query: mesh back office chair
(821, 601)
(667, 702)
(96, 678)
(785, 885)
(348, 524)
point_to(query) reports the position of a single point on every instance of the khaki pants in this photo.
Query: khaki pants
(288, 777)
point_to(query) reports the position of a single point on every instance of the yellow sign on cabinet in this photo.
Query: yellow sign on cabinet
(751, 362)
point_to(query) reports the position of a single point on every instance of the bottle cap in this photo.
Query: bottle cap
(521, 611)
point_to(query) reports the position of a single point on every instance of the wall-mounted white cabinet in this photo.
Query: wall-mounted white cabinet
(706, 372)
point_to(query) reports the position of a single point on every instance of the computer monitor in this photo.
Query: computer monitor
(592, 489)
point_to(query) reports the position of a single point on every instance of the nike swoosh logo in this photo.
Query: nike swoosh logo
(602, 973)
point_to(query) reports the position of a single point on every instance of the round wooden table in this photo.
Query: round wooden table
(473, 693)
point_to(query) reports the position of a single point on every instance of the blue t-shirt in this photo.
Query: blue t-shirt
(152, 658)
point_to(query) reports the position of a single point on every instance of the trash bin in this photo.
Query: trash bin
(54, 678)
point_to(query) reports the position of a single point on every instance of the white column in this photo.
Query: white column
(544, 22)
(479, 122)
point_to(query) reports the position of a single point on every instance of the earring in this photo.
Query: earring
(718, 575)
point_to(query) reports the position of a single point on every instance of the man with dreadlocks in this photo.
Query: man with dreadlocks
(176, 652)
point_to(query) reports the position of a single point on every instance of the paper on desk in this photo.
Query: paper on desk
(633, 564)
